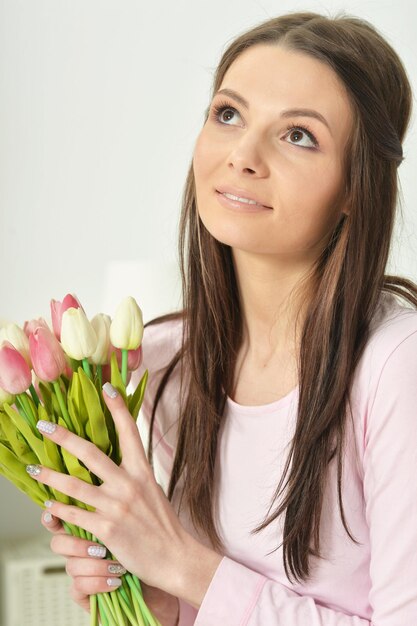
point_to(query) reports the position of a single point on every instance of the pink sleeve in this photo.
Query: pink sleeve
(239, 596)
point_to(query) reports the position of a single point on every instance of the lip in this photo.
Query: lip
(242, 207)
(242, 193)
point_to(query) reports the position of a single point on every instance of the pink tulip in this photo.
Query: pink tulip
(15, 375)
(30, 327)
(48, 358)
(58, 309)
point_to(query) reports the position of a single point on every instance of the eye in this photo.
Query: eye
(221, 108)
(300, 130)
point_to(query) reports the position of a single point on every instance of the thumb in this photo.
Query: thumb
(52, 523)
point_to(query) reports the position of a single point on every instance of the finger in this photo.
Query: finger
(70, 485)
(67, 545)
(90, 585)
(81, 599)
(92, 457)
(77, 566)
(134, 457)
(51, 523)
(90, 521)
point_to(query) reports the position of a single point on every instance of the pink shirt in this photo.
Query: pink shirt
(374, 583)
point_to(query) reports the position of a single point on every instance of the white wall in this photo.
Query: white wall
(100, 105)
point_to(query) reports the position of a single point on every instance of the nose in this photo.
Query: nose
(246, 157)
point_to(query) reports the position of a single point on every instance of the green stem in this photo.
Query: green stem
(100, 375)
(116, 606)
(86, 366)
(138, 598)
(31, 417)
(20, 408)
(83, 534)
(111, 617)
(62, 406)
(103, 611)
(138, 612)
(34, 395)
(124, 366)
(124, 602)
(93, 611)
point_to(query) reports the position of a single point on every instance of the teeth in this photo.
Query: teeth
(232, 197)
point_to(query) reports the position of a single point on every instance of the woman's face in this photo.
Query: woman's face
(257, 150)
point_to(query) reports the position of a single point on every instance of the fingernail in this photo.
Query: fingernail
(48, 503)
(47, 517)
(114, 582)
(46, 427)
(116, 568)
(99, 551)
(110, 390)
(33, 470)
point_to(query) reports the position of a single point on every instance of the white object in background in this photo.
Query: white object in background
(155, 285)
(34, 586)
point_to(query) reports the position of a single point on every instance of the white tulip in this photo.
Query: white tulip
(101, 324)
(126, 329)
(78, 337)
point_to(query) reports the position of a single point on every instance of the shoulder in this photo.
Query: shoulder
(160, 342)
(386, 373)
(393, 325)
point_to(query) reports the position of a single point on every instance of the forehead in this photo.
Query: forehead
(273, 78)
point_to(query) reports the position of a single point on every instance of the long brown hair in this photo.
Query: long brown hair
(349, 276)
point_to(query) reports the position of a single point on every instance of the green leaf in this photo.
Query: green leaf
(96, 418)
(49, 399)
(15, 471)
(116, 377)
(53, 458)
(46, 397)
(16, 442)
(76, 405)
(35, 441)
(135, 401)
(75, 468)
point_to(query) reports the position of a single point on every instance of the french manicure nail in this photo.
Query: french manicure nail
(116, 568)
(114, 582)
(33, 470)
(48, 503)
(46, 427)
(99, 551)
(47, 517)
(110, 390)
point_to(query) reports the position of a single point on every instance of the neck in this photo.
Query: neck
(273, 300)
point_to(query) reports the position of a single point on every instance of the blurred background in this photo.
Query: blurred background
(101, 103)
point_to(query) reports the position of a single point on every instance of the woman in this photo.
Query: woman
(281, 400)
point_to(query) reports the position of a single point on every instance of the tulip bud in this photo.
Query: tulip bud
(126, 330)
(58, 309)
(101, 324)
(5, 398)
(32, 325)
(16, 336)
(78, 337)
(47, 355)
(15, 375)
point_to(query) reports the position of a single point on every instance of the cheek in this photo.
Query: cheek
(202, 158)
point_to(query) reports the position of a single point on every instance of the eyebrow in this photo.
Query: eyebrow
(285, 113)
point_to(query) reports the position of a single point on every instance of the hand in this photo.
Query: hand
(133, 517)
(90, 574)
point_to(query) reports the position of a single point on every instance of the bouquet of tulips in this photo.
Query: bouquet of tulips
(56, 374)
